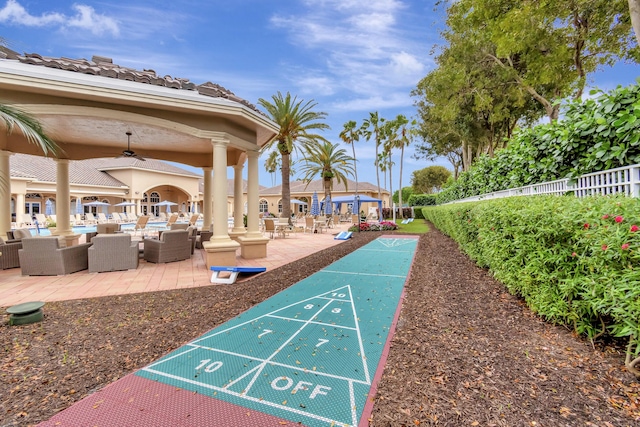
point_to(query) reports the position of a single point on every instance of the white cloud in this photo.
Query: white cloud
(85, 18)
(368, 54)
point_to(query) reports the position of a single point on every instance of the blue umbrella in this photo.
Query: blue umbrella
(48, 207)
(78, 206)
(315, 206)
(327, 206)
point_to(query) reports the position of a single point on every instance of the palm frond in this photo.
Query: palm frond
(28, 126)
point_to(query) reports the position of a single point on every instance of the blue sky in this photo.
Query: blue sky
(350, 56)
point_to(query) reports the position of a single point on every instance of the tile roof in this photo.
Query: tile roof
(318, 185)
(44, 169)
(104, 67)
(105, 164)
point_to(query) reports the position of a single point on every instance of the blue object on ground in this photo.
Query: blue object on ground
(215, 277)
(343, 235)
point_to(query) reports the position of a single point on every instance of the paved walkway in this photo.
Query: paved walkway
(149, 277)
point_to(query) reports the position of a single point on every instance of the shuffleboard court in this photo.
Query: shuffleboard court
(310, 353)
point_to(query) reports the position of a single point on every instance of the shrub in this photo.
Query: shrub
(382, 226)
(422, 200)
(574, 261)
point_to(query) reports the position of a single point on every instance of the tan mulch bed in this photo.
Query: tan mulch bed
(466, 353)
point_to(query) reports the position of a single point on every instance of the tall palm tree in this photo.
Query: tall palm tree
(329, 162)
(372, 127)
(272, 164)
(350, 135)
(404, 140)
(29, 127)
(297, 121)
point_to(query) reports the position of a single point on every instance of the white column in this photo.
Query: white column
(63, 196)
(5, 194)
(220, 214)
(206, 204)
(238, 217)
(19, 206)
(253, 196)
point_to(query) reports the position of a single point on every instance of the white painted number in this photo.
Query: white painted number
(265, 332)
(336, 310)
(322, 341)
(210, 367)
(338, 295)
(308, 306)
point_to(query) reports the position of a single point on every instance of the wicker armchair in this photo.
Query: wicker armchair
(204, 236)
(42, 256)
(173, 245)
(9, 253)
(112, 252)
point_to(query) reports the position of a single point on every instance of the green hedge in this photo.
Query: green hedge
(574, 261)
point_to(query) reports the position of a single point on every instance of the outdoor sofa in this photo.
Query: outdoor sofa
(173, 245)
(43, 256)
(113, 252)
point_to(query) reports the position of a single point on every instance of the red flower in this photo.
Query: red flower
(634, 228)
(604, 247)
(574, 254)
(605, 216)
(619, 218)
(586, 226)
(625, 246)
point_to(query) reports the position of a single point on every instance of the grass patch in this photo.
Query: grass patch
(417, 226)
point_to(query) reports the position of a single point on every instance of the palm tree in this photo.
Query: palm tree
(403, 141)
(29, 127)
(297, 120)
(329, 162)
(272, 164)
(350, 135)
(373, 127)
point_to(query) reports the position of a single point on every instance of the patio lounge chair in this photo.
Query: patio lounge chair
(141, 224)
(173, 245)
(42, 219)
(42, 256)
(193, 219)
(9, 253)
(102, 218)
(131, 217)
(89, 219)
(113, 252)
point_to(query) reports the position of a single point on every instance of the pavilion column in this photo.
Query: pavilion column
(238, 211)
(206, 205)
(253, 243)
(5, 194)
(220, 249)
(19, 206)
(63, 196)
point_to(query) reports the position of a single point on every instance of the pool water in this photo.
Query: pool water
(92, 228)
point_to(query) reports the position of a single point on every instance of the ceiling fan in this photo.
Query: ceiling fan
(129, 152)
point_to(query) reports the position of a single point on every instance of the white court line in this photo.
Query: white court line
(354, 415)
(263, 315)
(384, 250)
(313, 323)
(169, 358)
(284, 344)
(282, 365)
(363, 274)
(254, 399)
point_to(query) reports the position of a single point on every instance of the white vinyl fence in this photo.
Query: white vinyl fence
(624, 180)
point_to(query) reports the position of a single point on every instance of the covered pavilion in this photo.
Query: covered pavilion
(89, 106)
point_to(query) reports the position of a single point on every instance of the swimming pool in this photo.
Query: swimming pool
(92, 228)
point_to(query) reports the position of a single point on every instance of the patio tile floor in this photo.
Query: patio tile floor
(149, 277)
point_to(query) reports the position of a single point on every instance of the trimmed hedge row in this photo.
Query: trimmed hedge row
(574, 261)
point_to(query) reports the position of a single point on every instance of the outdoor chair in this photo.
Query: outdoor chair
(9, 253)
(25, 220)
(131, 217)
(204, 236)
(173, 245)
(141, 224)
(107, 228)
(89, 219)
(43, 256)
(19, 234)
(309, 224)
(41, 218)
(113, 252)
(193, 219)
(102, 218)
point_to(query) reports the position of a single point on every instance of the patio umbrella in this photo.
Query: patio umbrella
(298, 202)
(48, 210)
(328, 208)
(315, 206)
(166, 203)
(125, 204)
(78, 206)
(97, 204)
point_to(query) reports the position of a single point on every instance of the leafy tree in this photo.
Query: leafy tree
(403, 139)
(546, 48)
(329, 162)
(404, 195)
(430, 179)
(297, 122)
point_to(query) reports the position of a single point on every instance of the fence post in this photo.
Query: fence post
(635, 181)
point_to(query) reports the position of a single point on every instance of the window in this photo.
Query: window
(264, 206)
